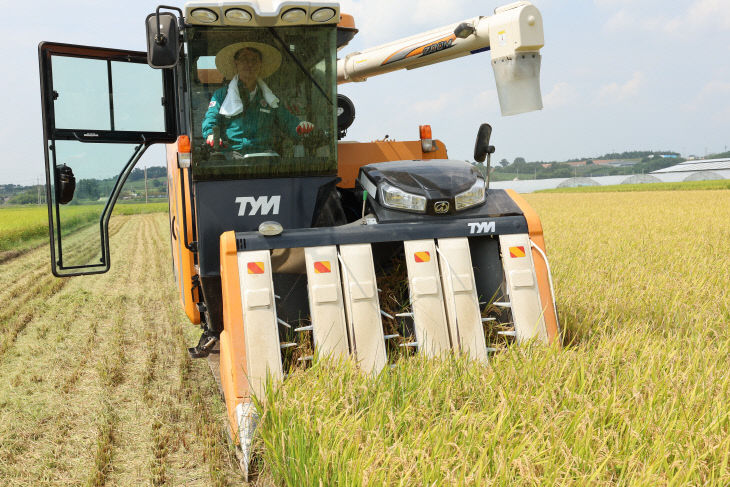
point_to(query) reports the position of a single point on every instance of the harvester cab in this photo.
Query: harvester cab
(286, 240)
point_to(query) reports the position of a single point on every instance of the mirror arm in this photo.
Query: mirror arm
(489, 176)
(490, 150)
(160, 38)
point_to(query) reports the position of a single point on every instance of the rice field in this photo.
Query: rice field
(22, 227)
(96, 386)
(638, 395)
(620, 188)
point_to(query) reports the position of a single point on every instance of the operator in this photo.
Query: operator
(245, 111)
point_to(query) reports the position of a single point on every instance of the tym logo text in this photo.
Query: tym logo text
(266, 205)
(481, 227)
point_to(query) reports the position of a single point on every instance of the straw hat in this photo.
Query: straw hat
(270, 58)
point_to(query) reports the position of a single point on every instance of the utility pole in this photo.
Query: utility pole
(38, 184)
(145, 184)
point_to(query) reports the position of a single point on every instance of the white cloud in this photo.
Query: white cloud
(709, 13)
(716, 87)
(382, 21)
(434, 105)
(619, 92)
(621, 20)
(612, 3)
(700, 15)
(487, 99)
(562, 94)
(713, 95)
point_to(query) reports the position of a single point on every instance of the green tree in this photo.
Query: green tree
(88, 189)
(25, 198)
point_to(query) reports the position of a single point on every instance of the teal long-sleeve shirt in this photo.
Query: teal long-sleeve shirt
(252, 130)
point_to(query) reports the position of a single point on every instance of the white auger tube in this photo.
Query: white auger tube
(514, 34)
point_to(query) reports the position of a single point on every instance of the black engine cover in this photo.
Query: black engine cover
(438, 180)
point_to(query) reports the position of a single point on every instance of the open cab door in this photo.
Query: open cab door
(102, 109)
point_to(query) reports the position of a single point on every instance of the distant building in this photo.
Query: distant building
(578, 182)
(696, 170)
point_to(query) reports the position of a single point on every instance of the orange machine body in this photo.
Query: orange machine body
(178, 187)
(351, 156)
(534, 228)
(232, 340)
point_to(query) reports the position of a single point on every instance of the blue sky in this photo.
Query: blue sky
(616, 75)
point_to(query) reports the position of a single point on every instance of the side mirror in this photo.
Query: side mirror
(163, 40)
(482, 147)
(65, 184)
(345, 115)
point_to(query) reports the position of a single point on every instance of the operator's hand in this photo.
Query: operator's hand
(211, 141)
(305, 128)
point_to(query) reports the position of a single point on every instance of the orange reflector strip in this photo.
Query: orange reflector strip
(255, 267)
(183, 144)
(322, 267)
(422, 256)
(516, 252)
(425, 131)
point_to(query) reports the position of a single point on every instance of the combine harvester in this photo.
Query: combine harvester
(280, 234)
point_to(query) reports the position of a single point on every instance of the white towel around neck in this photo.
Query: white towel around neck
(233, 105)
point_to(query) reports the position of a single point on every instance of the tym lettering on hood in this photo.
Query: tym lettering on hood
(263, 205)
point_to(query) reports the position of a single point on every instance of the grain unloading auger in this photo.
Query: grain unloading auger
(283, 238)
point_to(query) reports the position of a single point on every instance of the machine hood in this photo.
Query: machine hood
(430, 178)
(434, 187)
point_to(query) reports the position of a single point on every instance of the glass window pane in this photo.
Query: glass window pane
(138, 92)
(83, 93)
(96, 168)
(290, 79)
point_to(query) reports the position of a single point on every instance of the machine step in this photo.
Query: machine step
(260, 323)
(326, 304)
(362, 307)
(460, 297)
(522, 287)
(427, 299)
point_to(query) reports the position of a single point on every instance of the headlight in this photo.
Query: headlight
(204, 15)
(400, 200)
(323, 14)
(294, 15)
(471, 197)
(238, 15)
